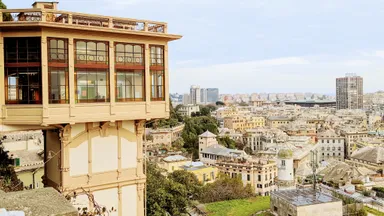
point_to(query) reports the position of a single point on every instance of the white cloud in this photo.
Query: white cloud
(353, 63)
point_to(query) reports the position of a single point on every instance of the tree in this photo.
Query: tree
(6, 16)
(227, 142)
(8, 178)
(193, 128)
(178, 144)
(225, 188)
(220, 103)
(189, 180)
(164, 196)
(243, 104)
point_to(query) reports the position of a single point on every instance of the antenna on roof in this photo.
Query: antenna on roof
(314, 166)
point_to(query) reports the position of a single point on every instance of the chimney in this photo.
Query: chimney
(49, 5)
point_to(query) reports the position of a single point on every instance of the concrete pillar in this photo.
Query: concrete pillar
(139, 137)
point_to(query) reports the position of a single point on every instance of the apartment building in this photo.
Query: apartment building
(90, 82)
(244, 122)
(330, 146)
(351, 136)
(259, 173)
(277, 121)
(349, 92)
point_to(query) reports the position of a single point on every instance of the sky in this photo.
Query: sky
(246, 46)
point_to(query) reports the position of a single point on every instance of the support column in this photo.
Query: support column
(139, 137)
(89, 131)
(119, 165)
(147, 79)
(112, 77)
(166, 78)
(2, 77)
(65, 136)
(140, 199)
(71, 73)
(44, 76)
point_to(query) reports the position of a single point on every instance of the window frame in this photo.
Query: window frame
(66, 77)
(155, 86)
(117, 72)
(127, 65)
(57, 64)
(97, 70)
(90, 63)
(155, 56)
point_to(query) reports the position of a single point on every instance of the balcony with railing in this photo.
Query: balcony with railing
(49, 16)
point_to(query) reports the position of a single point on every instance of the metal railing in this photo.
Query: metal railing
(79, 19)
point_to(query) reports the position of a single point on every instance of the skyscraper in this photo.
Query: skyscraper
(212, 95)
(349, 92)
(203, 96)
(195, 94)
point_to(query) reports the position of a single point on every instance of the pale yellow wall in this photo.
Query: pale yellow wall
(331, 209)
(27, 178)
(172, 166)
(207, 171)
(78, 159)
(128, 154)
(53, 165)
(129, 200)
(104, 149)
(108, 198)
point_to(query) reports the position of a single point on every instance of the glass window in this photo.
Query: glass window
(58, 85)
(157, 85)
(57, 50)
(91, 85)
(130, 85)
(23, 85)
(129, 54)
(157, 55)
(22, 50)
(91, 52)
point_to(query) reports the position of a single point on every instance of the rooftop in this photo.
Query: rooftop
(175, 158)
(46, 14)
(45, 201)
(207, 134)
(304, 197)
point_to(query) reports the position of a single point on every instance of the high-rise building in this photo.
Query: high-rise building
(212, 95)
(195, 94)
(186, 99)
(349, 92)
(203, 96)
(90, 82)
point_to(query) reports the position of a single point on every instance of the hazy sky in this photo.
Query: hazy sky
(244, 46)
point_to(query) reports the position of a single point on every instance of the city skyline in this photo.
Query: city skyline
(278, 51)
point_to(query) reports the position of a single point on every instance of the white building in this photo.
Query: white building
(285, 174)
(187, 110)
(330, 146)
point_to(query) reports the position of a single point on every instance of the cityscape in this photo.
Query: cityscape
(99, 116)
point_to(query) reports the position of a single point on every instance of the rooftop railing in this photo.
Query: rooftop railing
(79, 19)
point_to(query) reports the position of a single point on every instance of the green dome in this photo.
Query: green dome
(285, 153)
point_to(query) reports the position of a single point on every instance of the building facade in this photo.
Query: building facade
(90, 82)
(187, 110)
(212, 95)
(349, 92)
(194, 94)
(330, 146)
(244, 122)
